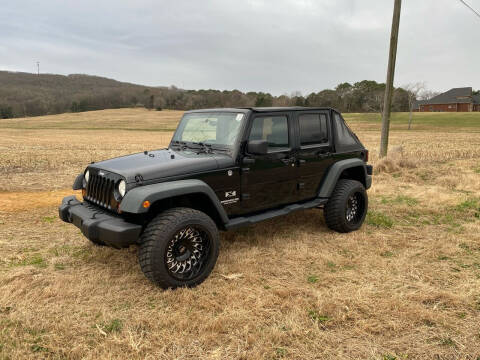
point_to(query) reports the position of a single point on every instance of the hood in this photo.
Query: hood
(163, 163)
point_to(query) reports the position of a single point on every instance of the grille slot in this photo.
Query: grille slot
(100, 191)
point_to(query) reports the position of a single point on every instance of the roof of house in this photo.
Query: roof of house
(456, 96)
(452, 96)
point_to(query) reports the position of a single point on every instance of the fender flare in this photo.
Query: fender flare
(133, 200)
(77, 184)
(330, 180)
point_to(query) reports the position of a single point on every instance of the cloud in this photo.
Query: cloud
(276, 46)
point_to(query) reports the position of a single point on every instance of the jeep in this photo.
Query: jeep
(224, 168)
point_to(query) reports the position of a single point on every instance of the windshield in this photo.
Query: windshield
(209, 128)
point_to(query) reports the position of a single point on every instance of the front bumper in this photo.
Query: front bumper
(97, 224)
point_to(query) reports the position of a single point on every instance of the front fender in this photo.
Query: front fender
(77, 184)
(334, 172)
(133, 200)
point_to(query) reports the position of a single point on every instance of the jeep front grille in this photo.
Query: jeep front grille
(100, 191)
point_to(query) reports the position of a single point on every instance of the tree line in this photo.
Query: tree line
(24, 94)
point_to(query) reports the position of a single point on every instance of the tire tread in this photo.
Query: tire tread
(165, 223)
(335, 207)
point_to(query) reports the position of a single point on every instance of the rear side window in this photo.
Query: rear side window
(273, 129)
(313, 129)
(344, 138)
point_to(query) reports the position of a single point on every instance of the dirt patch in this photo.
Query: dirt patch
(11, 202)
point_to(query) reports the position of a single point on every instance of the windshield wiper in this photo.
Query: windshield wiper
(205, 147)
(182, 144)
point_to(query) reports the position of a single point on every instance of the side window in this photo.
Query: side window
(313, 129)
(273, 129)
(345, 140)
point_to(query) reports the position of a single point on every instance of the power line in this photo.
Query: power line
(471, 8)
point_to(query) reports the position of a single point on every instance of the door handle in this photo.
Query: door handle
(323, 154)
(248, 161)
(288, 161)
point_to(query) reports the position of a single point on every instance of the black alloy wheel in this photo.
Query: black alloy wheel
(355, 208)
(187, 253)
(179, 248)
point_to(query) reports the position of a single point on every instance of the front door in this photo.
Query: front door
(270, 180)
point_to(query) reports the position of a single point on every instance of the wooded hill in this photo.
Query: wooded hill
(25, 94)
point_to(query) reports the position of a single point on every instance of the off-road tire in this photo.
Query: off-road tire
(157, 237)
(335, 210)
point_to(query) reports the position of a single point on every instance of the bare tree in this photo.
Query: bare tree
(428, 94)
(413, 90)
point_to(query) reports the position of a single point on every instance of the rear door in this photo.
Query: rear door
(315, 152)
(270, 180)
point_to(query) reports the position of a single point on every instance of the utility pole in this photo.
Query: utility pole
(38, 68)
(392, 58)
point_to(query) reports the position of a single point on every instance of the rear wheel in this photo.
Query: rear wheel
(347, 207)
(179, 247)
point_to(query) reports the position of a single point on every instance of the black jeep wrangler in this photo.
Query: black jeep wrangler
(224, 168)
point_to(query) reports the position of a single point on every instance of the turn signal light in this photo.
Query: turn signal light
(146, 204)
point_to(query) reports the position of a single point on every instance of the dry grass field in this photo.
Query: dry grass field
(405, 286)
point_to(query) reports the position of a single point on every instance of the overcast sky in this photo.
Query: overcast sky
(279, 46)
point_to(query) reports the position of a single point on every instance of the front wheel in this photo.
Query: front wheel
(346, 209)
(179, 248)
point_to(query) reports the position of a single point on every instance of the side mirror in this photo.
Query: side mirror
(257, 147)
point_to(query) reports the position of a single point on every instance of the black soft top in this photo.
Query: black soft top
(263, 109)
(287, 108)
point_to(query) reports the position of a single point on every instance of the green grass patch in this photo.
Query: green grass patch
(449, 219)
(38, 348)
(34, 260)
(469, 204)
(379, 219)
(466, 248)
(389, 357)
(448, 342)
(114, 326)
(49, 219)
(312, 279)
(280, 352)
(400, 199)
(387, 254)
(319, 318)
(332, 266)
(59, 267)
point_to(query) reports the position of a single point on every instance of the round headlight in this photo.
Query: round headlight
(87, 176)
(122, 188)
